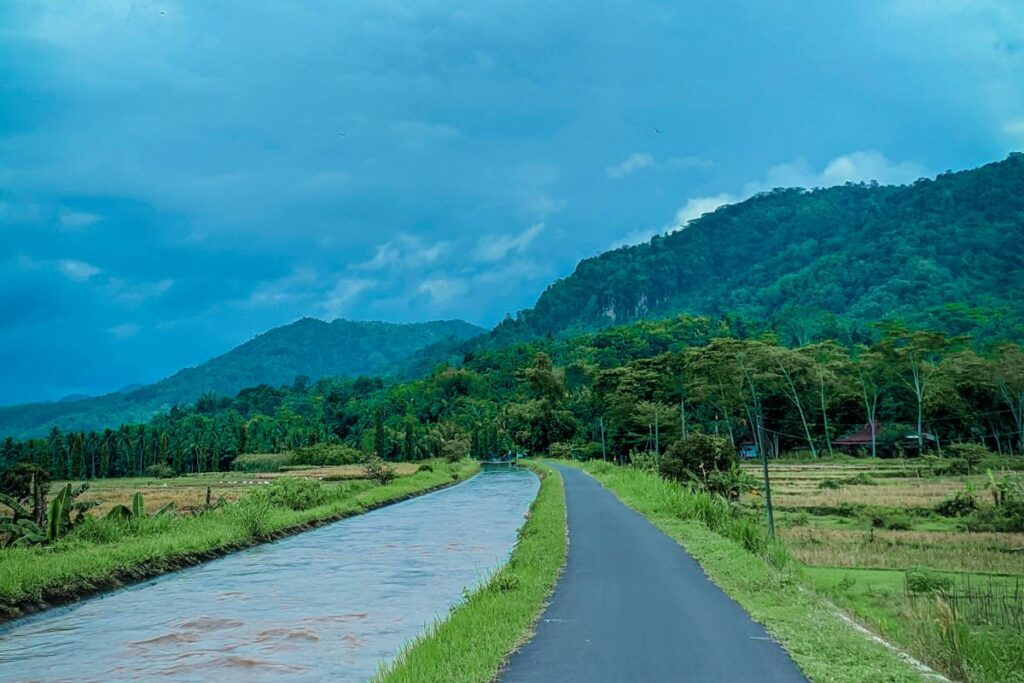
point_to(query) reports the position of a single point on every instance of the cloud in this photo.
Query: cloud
(1014, 128)
(858, 166)
(75, 220)
(404, 251)
(641, 160)
(634, 162)
(490, 248)
(443, 289)
(346, 290)
(855, 167)
(79, 271)
(124, 330)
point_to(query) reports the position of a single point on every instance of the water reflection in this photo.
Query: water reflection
(328, 604)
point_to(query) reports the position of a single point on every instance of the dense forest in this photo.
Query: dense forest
(616, 393)
(816, 264)
(308, 347)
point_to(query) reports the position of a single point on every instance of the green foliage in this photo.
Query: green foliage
(324, 454)
(923, 581)
(65, 512)
(160, 471)
(696, 457)
(829, 484)
(294, 493)
(262, 462)
(971, 453)
(17, 481)
(379, 471)
(961, 504)
(251, 515)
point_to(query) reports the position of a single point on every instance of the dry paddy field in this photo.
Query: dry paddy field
(189, 492)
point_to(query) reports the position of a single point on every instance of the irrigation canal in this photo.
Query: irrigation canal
(328, 604)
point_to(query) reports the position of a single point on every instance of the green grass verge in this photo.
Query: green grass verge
(77, 565)
(471, 645)
(822, 645)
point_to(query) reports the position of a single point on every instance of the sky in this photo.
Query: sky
(176, 177)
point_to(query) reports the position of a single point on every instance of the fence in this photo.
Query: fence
(979, 602)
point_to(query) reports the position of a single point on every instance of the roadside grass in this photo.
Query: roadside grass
(103, 554)
(765, 584)
(473, 642)
(977, 652)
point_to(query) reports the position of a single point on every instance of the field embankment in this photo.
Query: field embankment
(101, 553)
(473, 642)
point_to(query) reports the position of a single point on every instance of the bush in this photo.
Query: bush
(895, 521)
(1008, 517)
(861, 479)
(800, 519)
(971, 453)
(830, 484)
(16, 481)
(961, 504)
(160, 471)
(425, 467)
(294, 494)
(251, 514)
(696, 457)
(952, 467)
(645, 462)
(921, 581)
(379, 471)
(261, 462)
(326, 454)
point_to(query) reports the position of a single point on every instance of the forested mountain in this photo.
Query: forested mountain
(942, 253)
(307, 347)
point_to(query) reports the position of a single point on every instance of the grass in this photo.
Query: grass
(823, 646)
(982, 653)
(103, 554)
(472, 644)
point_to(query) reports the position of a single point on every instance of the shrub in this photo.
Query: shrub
(895, 521)
(830, 484)
(425, 467)
(160, 471)
(261, 462)
(645, 462)
(16, 481)
(251, 514)
(800, 519)
(922, 581)
(295, 494)
(326, 454)
(971, 453)
(696, 457)
(1008, 517)
(379, 471)
(961, 504)
(952, 467)
(731, 483)
(861, 479)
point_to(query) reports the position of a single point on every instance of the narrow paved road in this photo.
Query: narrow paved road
(633, 607)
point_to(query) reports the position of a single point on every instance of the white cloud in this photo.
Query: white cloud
(634, 162)
(75, 220)
(124, 331)
(1014, 128)
(858, 166)
(345, 291)
(79, 271)
(133, 294)
(696, 207)
(443, 289)
(490, 248)
(544, 205)
(404, 251)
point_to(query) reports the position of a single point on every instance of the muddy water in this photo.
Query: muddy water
(328, 604)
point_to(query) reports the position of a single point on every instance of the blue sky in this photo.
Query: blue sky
(176, 177)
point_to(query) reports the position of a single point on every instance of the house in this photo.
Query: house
(858, 440)
(747, 449)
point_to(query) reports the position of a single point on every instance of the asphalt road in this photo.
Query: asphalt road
(633, 606)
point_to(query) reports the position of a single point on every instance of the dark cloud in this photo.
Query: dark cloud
(176, 177)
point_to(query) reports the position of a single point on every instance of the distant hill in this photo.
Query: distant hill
(309, 347)
(944, 253)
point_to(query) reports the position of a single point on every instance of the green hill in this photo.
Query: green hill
(837, 258)
(309, 347)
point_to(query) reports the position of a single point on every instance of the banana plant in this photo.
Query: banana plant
(18, 526)
(137, 510)
(65, 512)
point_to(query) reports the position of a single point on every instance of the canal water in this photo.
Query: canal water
(328, 604)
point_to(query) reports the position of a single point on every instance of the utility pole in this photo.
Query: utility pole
(657, 443)
(767, 481)
(682, 415)
(604, 453)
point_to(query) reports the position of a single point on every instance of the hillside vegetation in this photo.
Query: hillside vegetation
(308, 347)
(942, 253)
